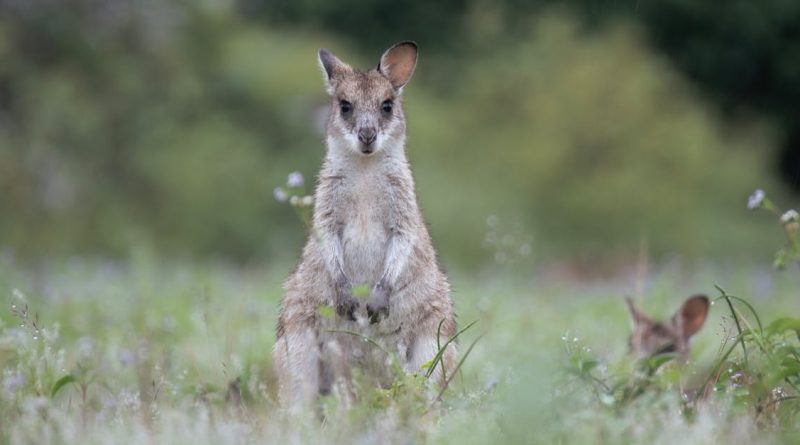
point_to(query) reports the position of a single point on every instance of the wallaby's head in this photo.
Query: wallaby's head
(366, 114)
(651, 337)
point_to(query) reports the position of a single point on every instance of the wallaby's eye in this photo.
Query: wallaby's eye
(345, 106)
(386, 106)
(666, 349)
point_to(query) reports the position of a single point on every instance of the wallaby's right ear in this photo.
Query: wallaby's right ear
(691, 316)
(398, 63)
(332, 68)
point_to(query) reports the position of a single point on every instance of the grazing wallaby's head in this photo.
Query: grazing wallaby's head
(651, 337)
(366, 114)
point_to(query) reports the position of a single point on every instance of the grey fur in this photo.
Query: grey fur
(367, 230)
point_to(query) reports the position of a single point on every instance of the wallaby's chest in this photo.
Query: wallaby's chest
(365, 217)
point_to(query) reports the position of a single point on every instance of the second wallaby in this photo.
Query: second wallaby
(651, 337)
(369, 255)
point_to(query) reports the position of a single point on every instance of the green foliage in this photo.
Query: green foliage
(179, 352)
(593, 143)
(61, 383)
(129, 132)
(789, 221)
(743, 56)
(174, 141)
(369, 25)
(764, 383)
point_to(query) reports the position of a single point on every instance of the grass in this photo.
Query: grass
(149, 351)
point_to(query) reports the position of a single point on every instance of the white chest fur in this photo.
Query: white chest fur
(365, 218)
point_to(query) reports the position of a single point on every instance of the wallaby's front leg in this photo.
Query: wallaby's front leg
(345, 304)
(332, 252)
(398, 251)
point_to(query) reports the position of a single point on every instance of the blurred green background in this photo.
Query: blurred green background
(537, 130)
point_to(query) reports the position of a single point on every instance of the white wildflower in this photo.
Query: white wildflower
(307, 201)
(789, 216)
(295, 180)
(280, 194)
(85, 347)
(756, 199)
(12, 382)
(127, 357)
(294, 200)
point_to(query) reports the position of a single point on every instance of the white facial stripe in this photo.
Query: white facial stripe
(351, 139)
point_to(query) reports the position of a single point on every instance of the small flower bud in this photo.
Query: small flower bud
(295, 180)
(756, 199)
(791, 222)
(790, 216)
(280, 194)
(294, 200)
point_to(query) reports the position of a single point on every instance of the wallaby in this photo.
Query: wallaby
(652, 337)
(367, 233)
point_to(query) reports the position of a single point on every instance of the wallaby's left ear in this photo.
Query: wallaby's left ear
(332, 68)
(691, 316)
(637, 316)
(398, 63)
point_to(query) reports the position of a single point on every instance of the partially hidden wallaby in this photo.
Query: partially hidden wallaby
(368, 255)
(651, 337)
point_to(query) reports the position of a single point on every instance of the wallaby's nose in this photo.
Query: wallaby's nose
(367, 135)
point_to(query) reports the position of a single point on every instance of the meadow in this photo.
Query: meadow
(146, 350)
(565, 157)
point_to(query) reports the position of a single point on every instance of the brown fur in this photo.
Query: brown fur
(652, 337)
(367, 231)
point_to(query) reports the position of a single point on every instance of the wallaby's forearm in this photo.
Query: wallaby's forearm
(402, 233)
(398, 252)
(331, 250)
(329, 232)
(399, 248)
(329, 236)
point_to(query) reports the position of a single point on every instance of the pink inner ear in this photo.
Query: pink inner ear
(398, 64)
(693, 314)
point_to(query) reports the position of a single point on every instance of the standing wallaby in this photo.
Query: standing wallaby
(367, 233)
(652, 337)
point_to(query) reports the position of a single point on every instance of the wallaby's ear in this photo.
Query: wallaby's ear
(691, 315)
(398, 63)
(332, 68)
(637, 316)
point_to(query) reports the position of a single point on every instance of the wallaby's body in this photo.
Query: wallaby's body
(367, 232)
(651, 337)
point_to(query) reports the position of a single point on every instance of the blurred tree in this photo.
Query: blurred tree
(128, 123)
(745, 54)
(132, 122)
(369, 25)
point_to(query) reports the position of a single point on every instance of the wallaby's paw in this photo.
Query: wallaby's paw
(378, 307)
(377, 313)
(346, 307)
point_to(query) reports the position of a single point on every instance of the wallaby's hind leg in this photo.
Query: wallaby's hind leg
(296, 358)
(424, 349)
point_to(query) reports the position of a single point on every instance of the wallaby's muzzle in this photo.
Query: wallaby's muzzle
(367, 136)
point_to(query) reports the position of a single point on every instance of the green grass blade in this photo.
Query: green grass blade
(60, 383)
